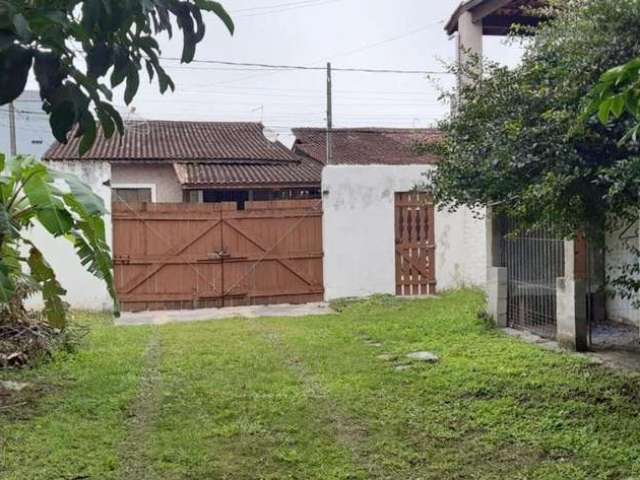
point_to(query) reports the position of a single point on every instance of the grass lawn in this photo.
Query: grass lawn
(320, 398)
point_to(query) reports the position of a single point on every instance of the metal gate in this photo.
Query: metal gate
(181, 256)
(415, 244)
(534, 261)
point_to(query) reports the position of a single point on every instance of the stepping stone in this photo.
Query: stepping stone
(375, 344)
(387, 357)
(426, 357)
(402, 368)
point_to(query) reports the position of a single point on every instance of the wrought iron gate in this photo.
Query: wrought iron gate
(534, 260)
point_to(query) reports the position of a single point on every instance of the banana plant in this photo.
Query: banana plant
(31, 193)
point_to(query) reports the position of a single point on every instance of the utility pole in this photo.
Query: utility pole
(329, 115)
(12, 129)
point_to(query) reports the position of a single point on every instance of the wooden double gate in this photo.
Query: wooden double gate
(181, 256)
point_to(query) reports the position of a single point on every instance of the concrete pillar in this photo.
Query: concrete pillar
(571, 308)
(496, 274)
(469, 43)
(497, 295)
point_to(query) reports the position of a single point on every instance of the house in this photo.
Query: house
(381, 232)
(32, 130)
(197, 162)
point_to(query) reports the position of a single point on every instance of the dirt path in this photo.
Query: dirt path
(346, 431)
(135, 461)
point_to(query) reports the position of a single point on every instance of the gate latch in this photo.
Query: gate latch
(221, 254)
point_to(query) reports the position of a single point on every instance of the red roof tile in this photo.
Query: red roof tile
(155, 140)
(301, 173)
(366, 146)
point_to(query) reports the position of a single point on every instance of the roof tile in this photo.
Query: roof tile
(366, 146)
(158, 140)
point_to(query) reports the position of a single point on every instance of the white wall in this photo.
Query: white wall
(617, 254)
(359, 236)
(84, 291)
(163, 176)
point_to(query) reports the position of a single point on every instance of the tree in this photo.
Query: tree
(115, 38)
(30, 193)
(519, 142)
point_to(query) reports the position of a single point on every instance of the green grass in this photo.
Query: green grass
(310, 399)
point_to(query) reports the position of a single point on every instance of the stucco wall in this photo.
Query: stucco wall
(617, 254)
(84, 291)
(359, 237)
(168, 188)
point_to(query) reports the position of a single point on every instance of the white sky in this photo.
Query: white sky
(396, 34)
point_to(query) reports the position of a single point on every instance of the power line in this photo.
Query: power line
(299, 6)
(312, 68)
(280, 5)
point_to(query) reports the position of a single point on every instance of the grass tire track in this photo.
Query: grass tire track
(135, 461)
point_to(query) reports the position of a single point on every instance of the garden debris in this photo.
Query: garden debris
(426, 357)
(24, 343)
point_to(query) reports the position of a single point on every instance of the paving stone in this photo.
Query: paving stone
(427, 357)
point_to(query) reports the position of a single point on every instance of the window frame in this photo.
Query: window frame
(136, 186)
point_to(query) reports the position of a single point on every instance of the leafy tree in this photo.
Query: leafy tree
(65, 207)
(518, 142)
(115, 38)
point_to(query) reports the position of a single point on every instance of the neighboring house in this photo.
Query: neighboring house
(366, 146)
(380, 236)
(33, 133)
(198, 162)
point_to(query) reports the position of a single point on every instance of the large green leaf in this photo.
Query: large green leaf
(44, 198)
(81, 195)
(133, 82)
(219, 10)
(52, 291)
(15, 63)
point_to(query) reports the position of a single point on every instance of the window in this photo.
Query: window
(132, 195)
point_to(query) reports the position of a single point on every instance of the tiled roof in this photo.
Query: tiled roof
(157, 140)
(201, 174)
(366, 146)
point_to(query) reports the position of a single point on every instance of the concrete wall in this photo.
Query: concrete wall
(359, 237)
(84, 291)
(163, 176)
(617, 254)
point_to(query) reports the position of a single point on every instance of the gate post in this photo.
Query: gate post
(571, 307)
(497, 295)
(496, 275)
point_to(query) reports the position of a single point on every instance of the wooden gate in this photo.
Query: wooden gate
(415, 244)
(182, 256)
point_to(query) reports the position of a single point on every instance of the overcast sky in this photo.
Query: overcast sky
(390, 34)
